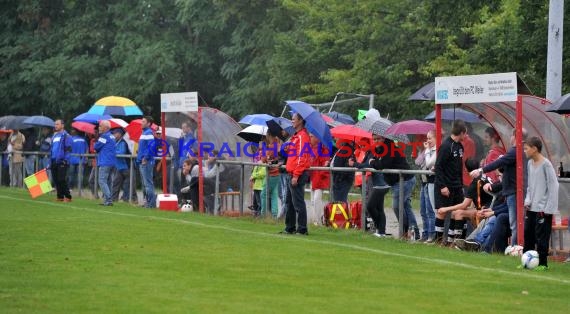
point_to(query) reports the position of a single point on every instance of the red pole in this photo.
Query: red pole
(201, 174)
(165, 147)
(519, 163)
(437, 125)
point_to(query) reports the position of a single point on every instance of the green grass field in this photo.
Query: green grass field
(81, 257)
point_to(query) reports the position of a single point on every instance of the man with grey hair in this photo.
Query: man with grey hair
(509, 181)
(106, 160)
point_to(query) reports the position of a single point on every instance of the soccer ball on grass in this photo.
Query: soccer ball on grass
(529, 259)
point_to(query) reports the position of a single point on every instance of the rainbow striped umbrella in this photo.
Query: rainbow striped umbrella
(115, 106)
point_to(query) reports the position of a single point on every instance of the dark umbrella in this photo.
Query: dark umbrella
(14, 123)
(313, 121)
(341, 117)
(276, 125)
(454, 114)
(561, 105)
(411, 127)
(40, 121)
(426, 93)
(379, 127)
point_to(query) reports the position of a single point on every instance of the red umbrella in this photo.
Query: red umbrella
(350, 132)
(135, 130)
(410, 127)
(84, 127)
(118, 123)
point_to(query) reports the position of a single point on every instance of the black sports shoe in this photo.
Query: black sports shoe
(286, 232)
(306, 233)
(472, 245)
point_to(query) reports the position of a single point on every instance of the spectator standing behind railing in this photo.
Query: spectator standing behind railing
(342, 181)
(30, 146)
(145, 160)
(5, 179)
(271, 159)
(106, 160)
(297, 164)
(492, 139)
(91, 181)
(375, 201)
(395, 159)
(426, 161)
(320, 180)
(45, 147)
(59, 161)
(17, 140)
(121, 175)
(78, 147)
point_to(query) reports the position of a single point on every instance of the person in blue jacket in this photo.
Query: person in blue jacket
(145, 160)
(106, 160)
(122, 173)
(59, 160)
(78, 146)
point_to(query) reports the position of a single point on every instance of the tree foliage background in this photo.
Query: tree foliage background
(58, 56)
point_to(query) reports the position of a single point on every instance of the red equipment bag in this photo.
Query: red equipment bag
(356, 214)
(337, 215)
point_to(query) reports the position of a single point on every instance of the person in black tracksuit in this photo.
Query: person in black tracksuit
(448, 190)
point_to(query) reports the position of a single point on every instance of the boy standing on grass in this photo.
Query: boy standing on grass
(540, 203)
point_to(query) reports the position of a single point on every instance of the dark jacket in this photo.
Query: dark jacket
(391, 160)
(508, 163)
(377, 178)
(342, 161)
(449, 165)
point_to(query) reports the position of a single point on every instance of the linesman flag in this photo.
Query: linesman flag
(38, 183)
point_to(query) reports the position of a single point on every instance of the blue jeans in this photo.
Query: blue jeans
(409, 217)
(273, 191)
(105, 183)
(283, 187)
(483, 235)
(512, 204)
(427, 213)
(30, 165)
(148, 185)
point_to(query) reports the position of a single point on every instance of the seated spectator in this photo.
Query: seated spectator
(460, 212)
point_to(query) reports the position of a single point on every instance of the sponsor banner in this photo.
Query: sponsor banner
(498, 87)
(179, 102)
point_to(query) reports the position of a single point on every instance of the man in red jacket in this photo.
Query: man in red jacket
(299, 154)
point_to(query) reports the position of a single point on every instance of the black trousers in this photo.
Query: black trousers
(537, 230)
(296, 214)
(375, 208)
(59, 175)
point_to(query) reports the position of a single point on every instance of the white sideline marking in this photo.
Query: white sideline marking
(306, 239)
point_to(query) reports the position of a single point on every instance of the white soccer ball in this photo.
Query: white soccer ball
(517, 250)
(186, 208)
(529, 259)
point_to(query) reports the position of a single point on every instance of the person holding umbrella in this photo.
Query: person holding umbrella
(59, 157)
(299, 160)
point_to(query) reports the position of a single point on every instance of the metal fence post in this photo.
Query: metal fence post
(241, 186)
(401, 206)
(131, 177)
(363, 213)
(96, 179)
(79, 176)
(217, 190)
(267, 210)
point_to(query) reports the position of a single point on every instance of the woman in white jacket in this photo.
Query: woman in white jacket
(426, 161)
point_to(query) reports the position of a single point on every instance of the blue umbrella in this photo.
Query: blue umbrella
(341, 117)
(40, 121)
(255, 119)
(314, 122)
(454, 114)
(91, 117)
(13, 123)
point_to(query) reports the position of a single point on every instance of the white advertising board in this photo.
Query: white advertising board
(179, 102)
(498, 87)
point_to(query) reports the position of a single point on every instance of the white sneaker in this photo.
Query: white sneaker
(379, 235)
